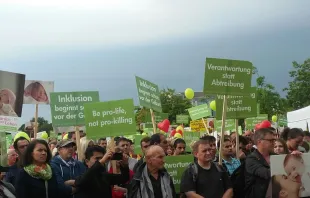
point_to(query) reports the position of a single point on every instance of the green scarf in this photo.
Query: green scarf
(40, 172)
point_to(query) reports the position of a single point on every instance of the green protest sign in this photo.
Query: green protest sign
(240, 130)
(251, 122)
(159, 117)
(282, 121)
(224, 76)
(176, 165)
(149, 95)
(230, 125)
(8, 124)
(238, 106)
(182, 119)
(148, 131)
(67, 108)
(9, 139)
(110, 119)
(3, 149)
(137, 140)
(189, 138)
(53, 134)
(199, 112)
(258, 108)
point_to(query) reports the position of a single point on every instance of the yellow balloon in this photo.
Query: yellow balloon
(179, 128)
(189, 93)
(65, 137)
(213, 105)
(178, 135)
(22, 134)
(274, 118)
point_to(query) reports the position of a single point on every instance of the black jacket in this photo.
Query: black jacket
(96, 182)
(134, 185)
(140, 161)
(29, 187)
(257, 175)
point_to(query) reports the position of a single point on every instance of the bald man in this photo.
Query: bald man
(248, 134)
(12, 157)
(151, 178)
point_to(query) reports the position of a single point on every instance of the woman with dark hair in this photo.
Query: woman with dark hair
(36, 178)
(280, 147)
(294, 138)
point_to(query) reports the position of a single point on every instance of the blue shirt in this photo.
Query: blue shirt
(232, 166)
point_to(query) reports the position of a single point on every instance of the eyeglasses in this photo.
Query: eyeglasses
(270, 140)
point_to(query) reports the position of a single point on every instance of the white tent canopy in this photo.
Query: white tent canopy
(299, 118)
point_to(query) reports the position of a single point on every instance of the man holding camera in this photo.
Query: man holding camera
(96, 182)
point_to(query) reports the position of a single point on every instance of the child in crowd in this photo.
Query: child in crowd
(37, 92)
(296, 171)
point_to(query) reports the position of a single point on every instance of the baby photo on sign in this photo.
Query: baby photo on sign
(290, 176)
(37, 92)
(11, 93)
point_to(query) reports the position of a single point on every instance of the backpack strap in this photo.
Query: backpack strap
(194, 171)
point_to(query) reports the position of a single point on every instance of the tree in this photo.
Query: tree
(299, 88)
(43, 125)
(140, 114)
(269, 99)
(174, 103)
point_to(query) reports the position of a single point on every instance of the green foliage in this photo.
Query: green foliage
(299, 88)
(140, 115)
(174, 103)
(44, 125)
(270, 100)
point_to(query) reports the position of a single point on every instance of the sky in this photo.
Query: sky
(102, 45)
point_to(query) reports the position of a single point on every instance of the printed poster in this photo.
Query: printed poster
(67, 108)
(110, 119)
(175, 166)
(38, 92)
(11, 93)
(290, 176)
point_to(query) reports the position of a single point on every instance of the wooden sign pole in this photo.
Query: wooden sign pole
(78, 143)
(204, 123)
(223, 128)
(237, 139)
(36, 125)
(153, 121)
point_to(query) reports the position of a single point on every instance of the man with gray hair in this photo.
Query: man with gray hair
(257, 165)
(151, 178)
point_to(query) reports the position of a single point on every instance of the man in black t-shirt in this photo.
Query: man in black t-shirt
(205, 178)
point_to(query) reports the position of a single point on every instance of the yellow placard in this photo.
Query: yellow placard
(197, 125)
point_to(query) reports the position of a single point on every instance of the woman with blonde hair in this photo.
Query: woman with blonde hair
(85, 143)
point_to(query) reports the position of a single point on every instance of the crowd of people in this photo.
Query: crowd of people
(53, 169)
